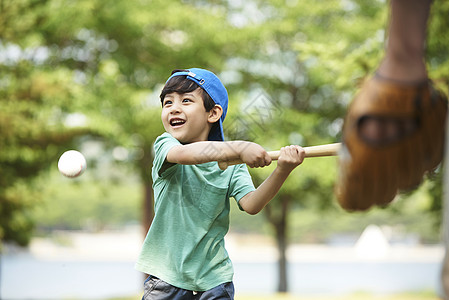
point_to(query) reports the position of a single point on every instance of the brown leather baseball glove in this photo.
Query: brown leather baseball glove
(393, 134)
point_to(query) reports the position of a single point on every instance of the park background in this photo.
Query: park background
(86, 75)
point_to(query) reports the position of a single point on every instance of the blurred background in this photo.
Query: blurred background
(87, 74)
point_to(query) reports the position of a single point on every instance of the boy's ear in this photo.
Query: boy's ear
(215, 113)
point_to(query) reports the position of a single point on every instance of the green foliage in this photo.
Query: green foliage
(97, 62)
(33, 104)
(87, 203)
(408, 219)
(75, 71)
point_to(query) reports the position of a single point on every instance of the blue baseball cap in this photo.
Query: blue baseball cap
(209, 82)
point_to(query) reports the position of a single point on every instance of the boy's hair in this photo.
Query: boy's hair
(181, 85)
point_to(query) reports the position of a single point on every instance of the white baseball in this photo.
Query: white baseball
(72, 163)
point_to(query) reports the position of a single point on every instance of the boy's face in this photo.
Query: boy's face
(185, 118)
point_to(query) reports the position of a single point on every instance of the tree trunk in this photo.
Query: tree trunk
(279, 223)
(445, 223)
(282, 262)
(148, 210)
(145, 167)
(148, 207)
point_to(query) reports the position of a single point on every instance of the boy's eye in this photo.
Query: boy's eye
(186, 100)
(167, 102)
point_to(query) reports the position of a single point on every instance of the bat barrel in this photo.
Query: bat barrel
(314, 151)
(323, 150)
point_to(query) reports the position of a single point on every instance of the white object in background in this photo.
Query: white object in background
(372, 244)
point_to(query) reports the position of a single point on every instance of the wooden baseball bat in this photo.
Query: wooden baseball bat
(313, 151)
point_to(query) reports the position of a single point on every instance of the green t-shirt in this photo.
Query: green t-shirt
(185, 244)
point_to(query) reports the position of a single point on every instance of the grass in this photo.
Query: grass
(355, 296)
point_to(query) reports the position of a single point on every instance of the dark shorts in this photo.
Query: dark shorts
(155, 288)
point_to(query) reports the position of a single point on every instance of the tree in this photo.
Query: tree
(311, 58)
(103, 64)
(284, 66)
(152, 38)
(34, 102)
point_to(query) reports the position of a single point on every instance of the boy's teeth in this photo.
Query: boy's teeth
(177, 122)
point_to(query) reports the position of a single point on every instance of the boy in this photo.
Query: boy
(184, 250)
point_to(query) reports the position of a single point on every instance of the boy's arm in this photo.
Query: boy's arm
(290, 157)
(201, 152)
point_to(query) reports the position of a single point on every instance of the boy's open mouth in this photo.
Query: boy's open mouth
(175, 122)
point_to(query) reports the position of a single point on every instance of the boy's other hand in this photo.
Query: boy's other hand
(290, 157)
(254, 155)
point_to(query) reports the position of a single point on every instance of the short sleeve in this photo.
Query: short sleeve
(162, 145)
(241, 182)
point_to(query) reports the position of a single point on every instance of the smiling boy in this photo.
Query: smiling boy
(184, 250)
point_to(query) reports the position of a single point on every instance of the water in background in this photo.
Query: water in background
(107, 270)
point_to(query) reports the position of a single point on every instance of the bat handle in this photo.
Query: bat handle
(313, 151)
